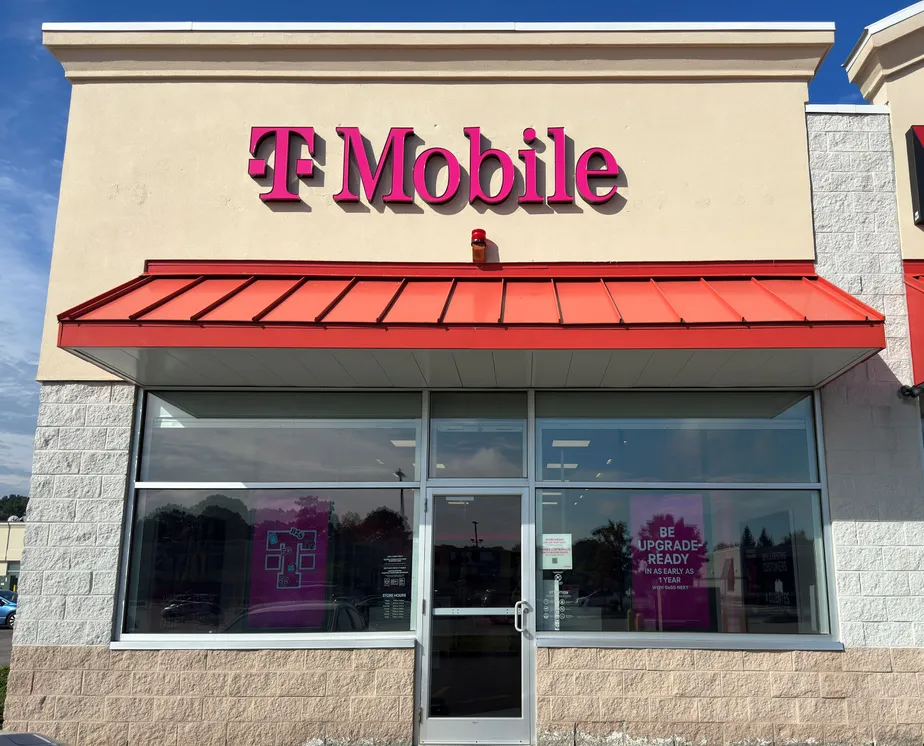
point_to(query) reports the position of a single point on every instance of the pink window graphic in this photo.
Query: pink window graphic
(287, 561)
(669, 563)
(288, 574)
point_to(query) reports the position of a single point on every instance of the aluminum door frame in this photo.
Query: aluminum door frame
(478, 730)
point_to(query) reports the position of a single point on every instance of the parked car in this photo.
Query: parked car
(7, 613)
(194, 609)
(609, 600)
(340, 617)
(10, 596)
(27, 739)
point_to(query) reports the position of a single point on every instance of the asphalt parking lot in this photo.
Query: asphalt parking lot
(6, 645)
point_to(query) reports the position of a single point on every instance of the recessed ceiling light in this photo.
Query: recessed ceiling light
(599, 474)
(550, 494)
(561, 466)
(404, 443)
(553, 502)
(609, 461)
(570, 443)
(441, 466)
(380, 461)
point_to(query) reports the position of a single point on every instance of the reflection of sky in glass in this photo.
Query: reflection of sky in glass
(280, 454)
(477, 450)
(729, 449)
(728, 438)
(498, 518)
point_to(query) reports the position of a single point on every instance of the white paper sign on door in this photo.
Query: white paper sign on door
(556, 552)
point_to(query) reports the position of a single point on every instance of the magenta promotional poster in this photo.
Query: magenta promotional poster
(668, 562)
(288, 570)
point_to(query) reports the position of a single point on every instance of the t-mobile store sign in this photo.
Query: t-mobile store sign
(594, 172)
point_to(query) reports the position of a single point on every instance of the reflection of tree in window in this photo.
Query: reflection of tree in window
(603, 563)
(198, 555)
(747, 538)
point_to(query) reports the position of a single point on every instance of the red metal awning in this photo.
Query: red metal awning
(303, 306)
(914, 294)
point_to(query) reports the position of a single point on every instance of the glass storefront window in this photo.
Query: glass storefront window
(281, 437)
(675, 437)
(478, 435)
(733, 561)
(250, 561)
(634, 530)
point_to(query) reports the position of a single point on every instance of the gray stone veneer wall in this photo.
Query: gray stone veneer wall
(74, 522)
(872, 436)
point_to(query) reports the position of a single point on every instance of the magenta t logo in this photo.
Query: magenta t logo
(283, 136)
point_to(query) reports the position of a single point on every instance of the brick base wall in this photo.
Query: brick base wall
(91, 696)
(589, 697)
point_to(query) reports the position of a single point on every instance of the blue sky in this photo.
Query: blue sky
(33, 120)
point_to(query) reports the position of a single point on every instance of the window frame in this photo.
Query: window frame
(408, 639)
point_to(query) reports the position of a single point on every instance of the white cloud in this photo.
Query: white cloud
(854, 97)
(27, 214)
(33, 111)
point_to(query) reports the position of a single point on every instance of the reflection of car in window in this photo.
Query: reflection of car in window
(497, 599)
(10, 596)
(196, 608)
(601, 599)
(340, 617)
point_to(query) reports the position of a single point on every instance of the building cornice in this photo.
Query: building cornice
(440, 51)
(886, 49)
(444, 26)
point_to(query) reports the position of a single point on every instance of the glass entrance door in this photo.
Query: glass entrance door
(478, 625)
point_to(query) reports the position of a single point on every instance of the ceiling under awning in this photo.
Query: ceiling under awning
(312, 324)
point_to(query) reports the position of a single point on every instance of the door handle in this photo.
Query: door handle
(519, 609)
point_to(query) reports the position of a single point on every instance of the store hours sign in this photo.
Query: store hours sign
(399, 174)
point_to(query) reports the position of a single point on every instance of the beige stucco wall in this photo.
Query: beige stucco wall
(889, 69)
(906, 106)
(713, 168)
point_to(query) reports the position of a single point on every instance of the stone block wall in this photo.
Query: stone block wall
(872, 435)
(74, 522)
(91, 696)
(591, 697)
